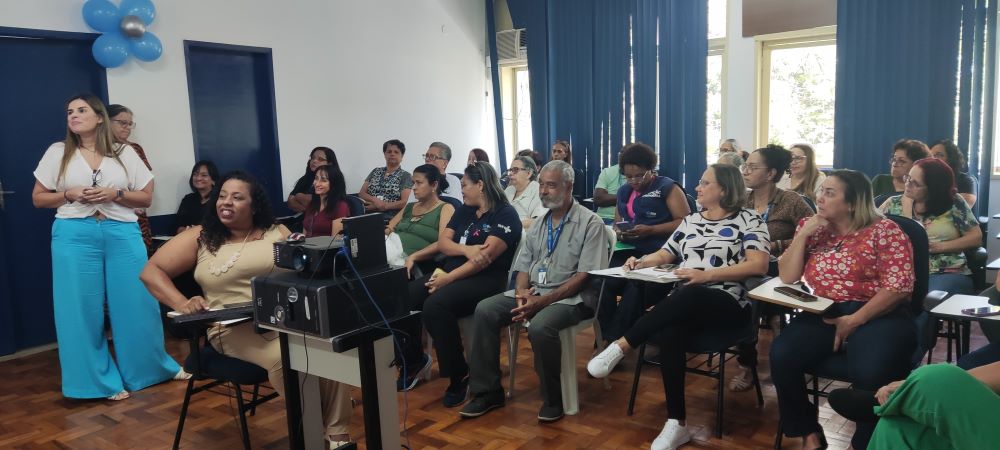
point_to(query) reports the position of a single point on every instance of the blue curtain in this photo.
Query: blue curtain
(895, 77)
(683, 79)
(491, 33)
(579, 53)
(977, 72)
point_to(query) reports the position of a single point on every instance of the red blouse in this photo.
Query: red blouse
(316, 223)
(856, 266)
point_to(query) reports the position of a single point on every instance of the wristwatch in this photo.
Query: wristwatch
(120, 194)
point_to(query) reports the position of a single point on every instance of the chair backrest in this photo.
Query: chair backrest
(691, 203)
(880, 199)
(921, 259)
(612, 238)
(812, 204)
(355, 206)
(456, 203)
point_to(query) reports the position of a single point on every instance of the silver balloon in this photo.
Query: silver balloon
(132, 26)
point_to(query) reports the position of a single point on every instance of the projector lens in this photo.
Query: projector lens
(299, 260)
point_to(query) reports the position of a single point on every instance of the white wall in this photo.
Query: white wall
(348, 74)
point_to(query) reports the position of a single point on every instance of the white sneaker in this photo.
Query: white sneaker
(673, 435)
(602, 364)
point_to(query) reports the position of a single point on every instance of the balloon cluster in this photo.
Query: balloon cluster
(124, 31)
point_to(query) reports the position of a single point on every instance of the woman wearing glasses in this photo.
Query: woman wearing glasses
(781, 210)
(439, 155)
(847, 252)
(904, 153)
(121, 128)
(803, 175)
(650, 207)
(717, 249)
(387, 189)
(302, 193)
(522, 191)
(97, 253)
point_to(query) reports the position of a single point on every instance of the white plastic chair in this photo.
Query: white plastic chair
(567, 340)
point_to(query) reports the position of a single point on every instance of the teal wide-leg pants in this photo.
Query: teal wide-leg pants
(93, 260)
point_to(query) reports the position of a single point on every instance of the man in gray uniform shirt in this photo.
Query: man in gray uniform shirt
(552, 293)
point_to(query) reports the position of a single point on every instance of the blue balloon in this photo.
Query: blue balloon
(101, 15)
(147, 48)
(111, 50)
(144, 9)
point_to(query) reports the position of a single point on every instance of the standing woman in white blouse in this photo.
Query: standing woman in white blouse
(97, 252)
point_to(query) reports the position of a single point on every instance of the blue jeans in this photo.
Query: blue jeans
(877, 353)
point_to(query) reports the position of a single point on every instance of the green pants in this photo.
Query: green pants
(939, 406)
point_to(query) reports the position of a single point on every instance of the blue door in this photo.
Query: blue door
(232, 111)
(41, 70)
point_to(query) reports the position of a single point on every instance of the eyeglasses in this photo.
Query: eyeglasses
(726, 150)
(515, 170)
(796, 159)
(430, 157)
(637, 178)
(750, 168)
(96, 178)
(911, 182)
(124, 123)
(704, 183)
(898, 162)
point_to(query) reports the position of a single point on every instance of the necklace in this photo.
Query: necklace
(414, 217)
(218, 271)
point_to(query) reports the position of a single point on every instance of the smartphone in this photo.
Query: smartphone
(795, 293)
(624, 226)
(985, 311)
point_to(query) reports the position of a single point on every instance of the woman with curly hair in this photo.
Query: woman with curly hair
(234, 244)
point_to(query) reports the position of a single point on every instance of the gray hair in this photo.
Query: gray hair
(563, 167)
(445, 149)
(736, 145)
(733, 159)
(529, 164)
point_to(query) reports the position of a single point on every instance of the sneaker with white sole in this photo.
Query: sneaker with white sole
(673, 435)
(602, 364)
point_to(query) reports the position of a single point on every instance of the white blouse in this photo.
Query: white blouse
(527, 205)
(134, 176)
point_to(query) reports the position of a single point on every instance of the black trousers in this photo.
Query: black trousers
(441, 311)
(670, 324)
(878, 353)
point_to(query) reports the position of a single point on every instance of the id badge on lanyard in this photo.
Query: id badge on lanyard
(465, 237)
(543, 271)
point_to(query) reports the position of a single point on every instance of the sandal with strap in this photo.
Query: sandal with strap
(120, 396)
(742, 381)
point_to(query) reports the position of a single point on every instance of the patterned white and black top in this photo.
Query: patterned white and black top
(710, 244)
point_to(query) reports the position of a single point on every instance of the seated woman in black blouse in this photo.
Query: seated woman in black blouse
(301, 195)
(204, 176)
(479, 243)
(968, 186)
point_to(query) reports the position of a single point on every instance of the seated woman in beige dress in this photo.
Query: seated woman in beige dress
(234, 244)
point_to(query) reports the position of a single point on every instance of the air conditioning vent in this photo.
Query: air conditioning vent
(512, 47)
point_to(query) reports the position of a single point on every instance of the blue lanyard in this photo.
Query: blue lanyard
(767, 212)
(553, 235)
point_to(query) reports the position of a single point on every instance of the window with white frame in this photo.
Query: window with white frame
(715, 74)
(797, 93)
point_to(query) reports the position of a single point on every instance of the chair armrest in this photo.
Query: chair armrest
(934, 298)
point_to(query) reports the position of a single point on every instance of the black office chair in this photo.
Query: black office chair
(691, 203)
(880, 199)
(205, 363)
(355, 206)
(452, 201)
(834, 368)
(810, 202)
(726, 344)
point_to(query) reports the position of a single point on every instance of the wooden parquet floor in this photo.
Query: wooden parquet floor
(34, 415)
